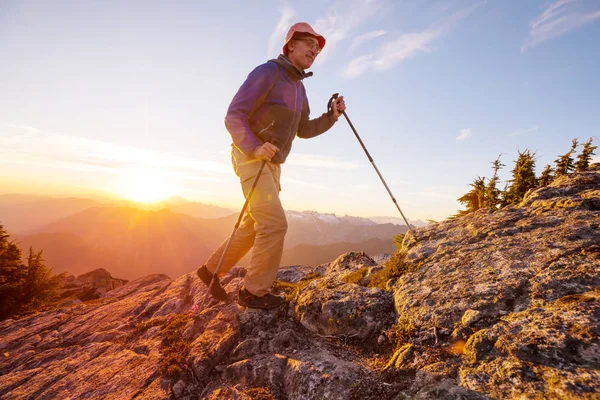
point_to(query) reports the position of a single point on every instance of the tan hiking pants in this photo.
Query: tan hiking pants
(263, 226)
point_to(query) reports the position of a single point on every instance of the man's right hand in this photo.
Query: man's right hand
(265, 151)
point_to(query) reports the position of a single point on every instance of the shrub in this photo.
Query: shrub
(356, 276)
(291, 290)
(395, 267)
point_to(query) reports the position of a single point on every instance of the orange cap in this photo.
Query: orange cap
(302, 27)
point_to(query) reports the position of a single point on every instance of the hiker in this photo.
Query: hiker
(267, 112)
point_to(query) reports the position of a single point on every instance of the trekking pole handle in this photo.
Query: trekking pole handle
(331, 100)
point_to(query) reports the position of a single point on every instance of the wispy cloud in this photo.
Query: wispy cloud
(365, 37)
(28, 130)
(464, 134)
(405, 46)
(434, 194)
(68, 152)
(311, 160)
(287, 13)
(524, 131)
(391, 53)
(559, 18)
(306, 184)
(361, 186)
(342, 18)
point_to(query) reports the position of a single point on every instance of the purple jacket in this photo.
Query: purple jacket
(271, 106)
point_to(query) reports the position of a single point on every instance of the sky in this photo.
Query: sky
(122, 98)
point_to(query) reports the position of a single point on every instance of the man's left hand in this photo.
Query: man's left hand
(338, 107)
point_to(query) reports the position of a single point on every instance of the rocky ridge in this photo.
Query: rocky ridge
(88, 286)
(502, 305)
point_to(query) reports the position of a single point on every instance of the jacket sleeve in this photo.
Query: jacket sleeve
(309, 128)
(248, 97)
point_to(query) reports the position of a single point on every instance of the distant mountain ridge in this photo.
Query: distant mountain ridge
(315, 255)
(126, 241)
(132, 242)
(398, 221)
(25, 213)
(325, 230)
(315, 216)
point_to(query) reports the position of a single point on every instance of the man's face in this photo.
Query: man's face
(303, 51)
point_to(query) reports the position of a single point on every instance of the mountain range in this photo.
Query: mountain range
(80, 235)
(25, 213)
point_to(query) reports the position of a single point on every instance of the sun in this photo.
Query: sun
(145, 185)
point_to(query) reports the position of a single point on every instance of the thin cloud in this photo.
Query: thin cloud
(524, 131)
(278, 35)
(433, 194)
(405, 46)
(342, 18)
(28, 130)
(307, 184)
(62, 151)
(365, 37)
(361, 186)
(391, 53)
(311, 160)
(559, 18)
(464, 134)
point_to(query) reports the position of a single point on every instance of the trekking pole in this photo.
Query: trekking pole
(237, 224)
(329, 105)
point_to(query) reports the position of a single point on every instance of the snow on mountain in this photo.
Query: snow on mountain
(398, 221)
(328, 218)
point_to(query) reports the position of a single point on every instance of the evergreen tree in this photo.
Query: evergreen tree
(523, 177)
(565, 164)
(27, 287)
(492, 193)
(10, 259)
(546, 178)
(11, 275)
(474, 199)
(583, 160)
(504, 196)
(40, 286)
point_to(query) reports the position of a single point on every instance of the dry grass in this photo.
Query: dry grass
(144, 326)
(400, 332)
(173, 348)
(357, 276)
(395, 267)
(291, 290)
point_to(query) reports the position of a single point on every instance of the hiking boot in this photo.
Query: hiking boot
(266, 302)
(217, 290)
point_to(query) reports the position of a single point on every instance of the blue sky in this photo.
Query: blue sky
(118, 96)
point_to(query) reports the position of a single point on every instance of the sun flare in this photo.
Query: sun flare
(145, 185)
